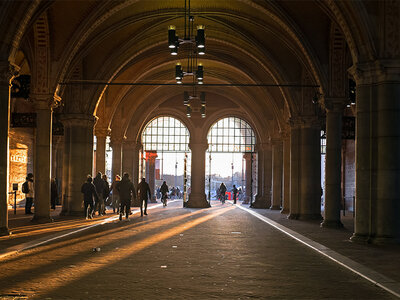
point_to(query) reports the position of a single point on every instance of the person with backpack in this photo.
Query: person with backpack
(29, 190)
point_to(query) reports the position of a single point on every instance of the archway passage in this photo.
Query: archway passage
(231, 159)
(165, 156)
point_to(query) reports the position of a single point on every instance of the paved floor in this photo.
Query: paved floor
(173, 253)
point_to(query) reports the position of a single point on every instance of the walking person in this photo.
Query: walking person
(89, 192)
(164, 193)
(54, 193)
(126, 191)
(222, 191)
(28, 189)
(106, 193)
(115, 194)
(235, 192)
(144, 194)
(100, 186)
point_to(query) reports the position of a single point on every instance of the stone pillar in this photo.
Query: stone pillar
(65, 170)
(7, 73)
(294, 170)
(286, 175)
(42, 164)
(78, 130)
(333, 163)
(136, 163)
(151, 160)
(377, 217)
(128, 152)
(264, 177)
(277, 169)
(248, 162)
(116, 145)
(101, 135)
(197, 197)
(310, 171)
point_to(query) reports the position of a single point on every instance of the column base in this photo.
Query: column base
(383, 240)
(197, 201)
(310, 217)
(284, 211)
(4, 231)
(41, 220)
(336, 224)
(360, 238)
(260, 202)
(293, 216)
(275, 207)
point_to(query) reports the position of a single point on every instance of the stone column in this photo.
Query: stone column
(264, 177)
(151, 161)
(65, 197)
(80, 162)
(248, 162)
(128, 152)
(136, 163)
(286, 175)
(101, 135)
(277, 169)
(116, 145)
(295, 168)
(42, 164)
(7, 73)
(310, 171)
(333, 163)
(197, 197)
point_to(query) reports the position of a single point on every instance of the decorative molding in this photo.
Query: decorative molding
(41, 67)
(7, 73)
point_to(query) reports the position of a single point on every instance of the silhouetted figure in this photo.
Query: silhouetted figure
(144, 194)
(222, 191)
(28, 189)
(100, 187)
(235, 192)
(54, 194)
(89, 191)
(164, 193)
(106, 193)
(126, 191)
(115, 194)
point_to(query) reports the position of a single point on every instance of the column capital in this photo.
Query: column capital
(45, 101)
(78, 120)
(7, 73)
(198, 145)
(263, 146)
(335, 105)
(129, 143)
(116, 141)
(376, 71)
(304, 122)
(102, 132)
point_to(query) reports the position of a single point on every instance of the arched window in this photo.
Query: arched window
(231, 135)
(165, 134)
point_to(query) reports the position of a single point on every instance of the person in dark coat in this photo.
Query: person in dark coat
(106, 193)
(126, 191)
(54, 194)
(89, 191)
(144, 194)
(100, 186)
(235, 192)
(164, 193)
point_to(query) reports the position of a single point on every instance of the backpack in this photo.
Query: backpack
(25, 187)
